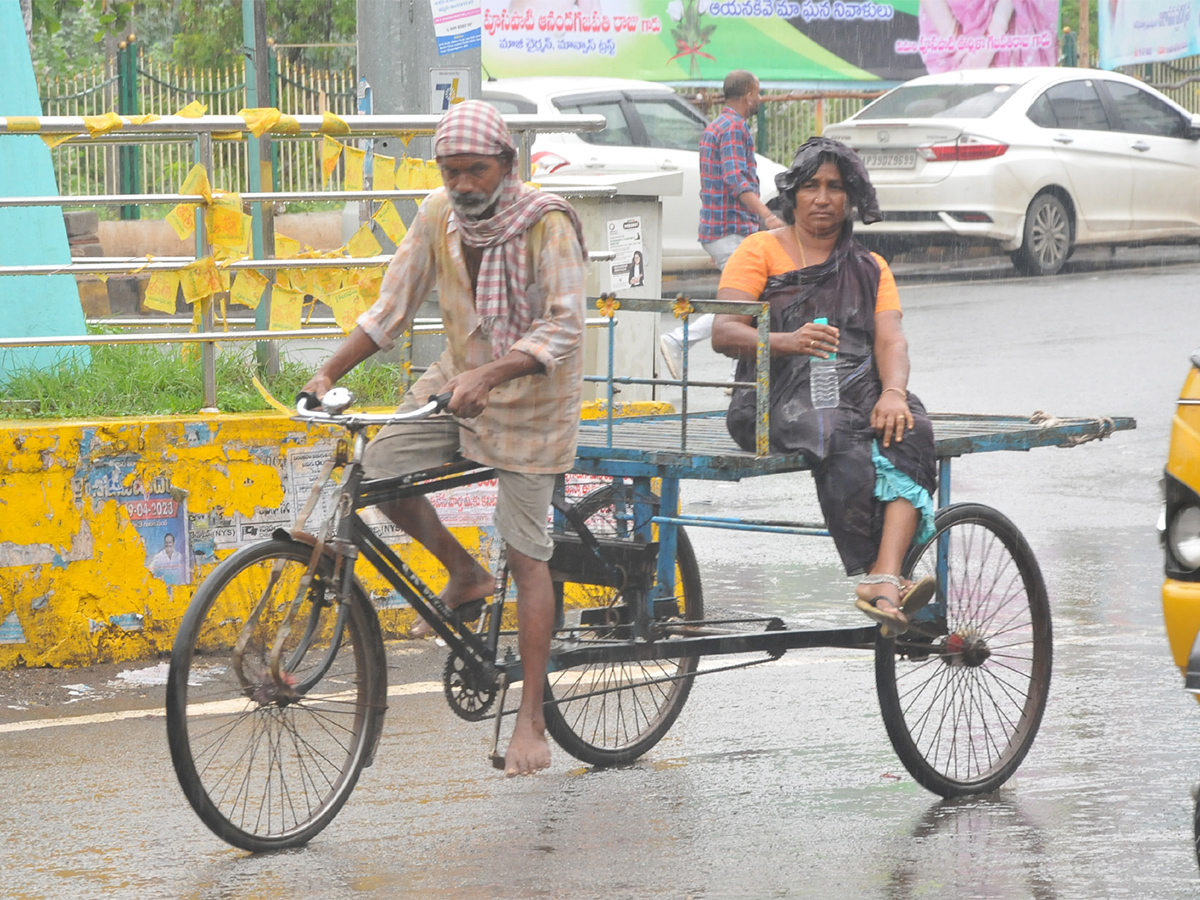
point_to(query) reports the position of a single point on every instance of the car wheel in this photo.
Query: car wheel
(1047, 240)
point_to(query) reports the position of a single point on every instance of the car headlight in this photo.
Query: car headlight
(1183, 536)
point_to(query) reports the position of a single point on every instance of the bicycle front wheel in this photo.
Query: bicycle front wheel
(963, 691)
(611, 713)
(267, 762)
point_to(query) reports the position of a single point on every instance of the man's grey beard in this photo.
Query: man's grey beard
(473, 204)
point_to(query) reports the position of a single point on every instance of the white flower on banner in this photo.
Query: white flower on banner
(675, 10)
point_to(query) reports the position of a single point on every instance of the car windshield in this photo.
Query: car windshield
(940, 101)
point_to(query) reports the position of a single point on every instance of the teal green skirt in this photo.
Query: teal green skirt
(892, 484)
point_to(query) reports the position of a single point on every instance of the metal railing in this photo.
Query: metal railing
(201, 131)
(684, 307)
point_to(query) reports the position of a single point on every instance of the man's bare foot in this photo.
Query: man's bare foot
(528, 751)
(480, 583)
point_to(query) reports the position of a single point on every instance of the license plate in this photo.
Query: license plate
(899, 160)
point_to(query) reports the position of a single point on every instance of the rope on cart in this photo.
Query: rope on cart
(1104, 427)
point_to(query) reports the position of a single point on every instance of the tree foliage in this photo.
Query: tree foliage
(1070, 19)
(111, 16)
(194, 33)
(210, 34)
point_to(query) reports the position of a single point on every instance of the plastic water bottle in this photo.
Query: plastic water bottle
(823, 378)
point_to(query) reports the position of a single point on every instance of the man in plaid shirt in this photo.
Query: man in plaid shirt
(508, 265)
(730, 206)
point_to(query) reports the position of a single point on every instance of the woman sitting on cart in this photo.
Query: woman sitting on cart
(872, 454)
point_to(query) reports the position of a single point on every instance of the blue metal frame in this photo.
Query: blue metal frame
(956, 435)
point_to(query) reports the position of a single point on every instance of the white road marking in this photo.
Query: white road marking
(213, 708)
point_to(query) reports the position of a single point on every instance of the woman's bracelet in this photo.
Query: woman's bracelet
(897, 390)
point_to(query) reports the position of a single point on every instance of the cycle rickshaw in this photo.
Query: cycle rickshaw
(278, 678)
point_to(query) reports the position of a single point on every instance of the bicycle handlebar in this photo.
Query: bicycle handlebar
(310, 409)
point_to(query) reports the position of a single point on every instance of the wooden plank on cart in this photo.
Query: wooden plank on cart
(639, 445)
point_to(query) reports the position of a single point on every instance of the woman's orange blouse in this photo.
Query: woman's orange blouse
(761, 256)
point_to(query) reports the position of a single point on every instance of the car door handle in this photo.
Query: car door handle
(1063, 139)
(594, 163)
(1140, 146)
(667, 165)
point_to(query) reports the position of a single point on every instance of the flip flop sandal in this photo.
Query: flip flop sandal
(891, 623)
(918, 596)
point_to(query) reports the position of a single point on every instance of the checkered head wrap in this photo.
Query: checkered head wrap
(501, 300)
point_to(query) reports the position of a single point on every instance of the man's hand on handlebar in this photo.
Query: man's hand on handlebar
(470, 390)
(318, 386)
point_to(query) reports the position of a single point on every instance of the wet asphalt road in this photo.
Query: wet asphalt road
(777, 781)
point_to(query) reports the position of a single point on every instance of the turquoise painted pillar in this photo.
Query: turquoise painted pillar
(30, 306)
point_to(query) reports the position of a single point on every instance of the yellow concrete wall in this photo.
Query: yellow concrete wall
(86, 506)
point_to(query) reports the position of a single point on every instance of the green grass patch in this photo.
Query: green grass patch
(166, 379)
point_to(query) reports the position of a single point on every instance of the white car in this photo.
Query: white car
(650, 129)
(1036, 160)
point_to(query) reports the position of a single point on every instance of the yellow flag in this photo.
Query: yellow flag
(389, 220)
(347, 306)
(363, 243)
(286, 125)
(298, 280)
(182, 219)
(200, 280)
(327, 281)
(283, 278)
(98, 125)
(143, 120)
(161, 292)
(384, 173)
(53, 140)
(260, 120)
(238, 246)
(352, 180)
(433, 175)
(286, 309)
(331, 124)
(225, 221)
(330, 151)
(286, 247)
(368, 284)
(193, 110)
(416, 174)
(248, 288)
(403, 178)
(197, 182)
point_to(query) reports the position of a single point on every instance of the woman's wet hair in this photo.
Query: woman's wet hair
(814, 153)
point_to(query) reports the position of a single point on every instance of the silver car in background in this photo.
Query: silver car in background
(1035, 160)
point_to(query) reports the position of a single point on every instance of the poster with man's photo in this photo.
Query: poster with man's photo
(162, 522)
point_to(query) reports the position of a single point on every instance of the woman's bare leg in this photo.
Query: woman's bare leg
(900, 520)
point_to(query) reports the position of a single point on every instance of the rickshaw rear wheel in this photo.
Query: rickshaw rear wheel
(610, 713)
(962, 693)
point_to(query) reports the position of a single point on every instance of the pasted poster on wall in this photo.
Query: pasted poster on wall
(778, 40)
(456, 25)
(629, 260)
(162, 521)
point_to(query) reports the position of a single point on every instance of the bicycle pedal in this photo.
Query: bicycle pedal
(497, 761)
